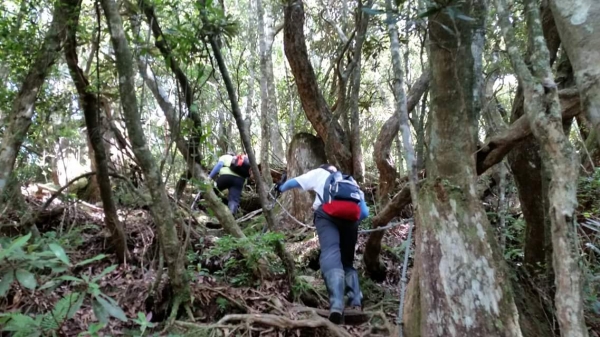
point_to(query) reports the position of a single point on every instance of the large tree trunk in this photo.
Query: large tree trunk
(385, 139)
(91, 110)
(160, 208)
(305, 153)
(19, 119)
(490, 154)
(337, 144)
(578, 24)
(462, 277)
(362, 23)
(265, 96)
(530, 180)
(542, 108)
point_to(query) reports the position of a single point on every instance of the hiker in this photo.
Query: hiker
(339, 207)
(233, 171)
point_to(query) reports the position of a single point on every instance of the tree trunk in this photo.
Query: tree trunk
(274, 132)
(160, 208)
(286, 258)
(362, 23)
(91, 110)
(385, 139)
(265, 99)
(578, 24)
(498, 146)
(528, 172)
(489, 155)
(373, 266)
(337, 145)
(463, 283)
(305, 152)
(542, 108)
(19, 119)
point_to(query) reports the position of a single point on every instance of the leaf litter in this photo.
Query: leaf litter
(264, 309)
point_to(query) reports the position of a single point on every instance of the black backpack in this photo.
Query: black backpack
(240, 165)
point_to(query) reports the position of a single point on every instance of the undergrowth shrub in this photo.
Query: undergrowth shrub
(239, 270)
(45, 262)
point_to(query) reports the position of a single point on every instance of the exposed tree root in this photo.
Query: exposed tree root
(268, 320)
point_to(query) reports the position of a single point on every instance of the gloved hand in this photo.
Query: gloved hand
(276, 187)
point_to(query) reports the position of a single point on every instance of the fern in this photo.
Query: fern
(63, 310)
(21, 325)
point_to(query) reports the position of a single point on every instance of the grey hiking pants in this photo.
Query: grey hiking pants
(235, 185)
(337, 239)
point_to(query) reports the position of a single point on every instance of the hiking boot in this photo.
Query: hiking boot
(233, 207)
(353, 289)
(334, 281)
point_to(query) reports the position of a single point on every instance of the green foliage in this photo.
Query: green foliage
(587, 194)
(48, 264)
(239, 272)
(144, 322)
(93, 330)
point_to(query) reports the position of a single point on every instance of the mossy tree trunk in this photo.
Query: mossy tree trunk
(160, 207)
(542, 108)
(530, 180)
(462, 280)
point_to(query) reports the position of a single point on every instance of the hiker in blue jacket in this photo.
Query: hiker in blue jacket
(232, 177)
(337, 235)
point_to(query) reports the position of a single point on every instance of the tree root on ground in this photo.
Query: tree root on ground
(269, 320)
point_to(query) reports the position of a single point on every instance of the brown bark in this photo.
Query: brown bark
(91, 110)
(160, 207)
(337, 144)
(389, 131)
(498, 146)
(374, 267)
(305, 153)
(19, 119)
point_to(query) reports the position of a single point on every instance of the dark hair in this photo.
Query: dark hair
(231, 153)
(327, 166)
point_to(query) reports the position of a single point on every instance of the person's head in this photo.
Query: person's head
(231, 153)
(329, 167)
